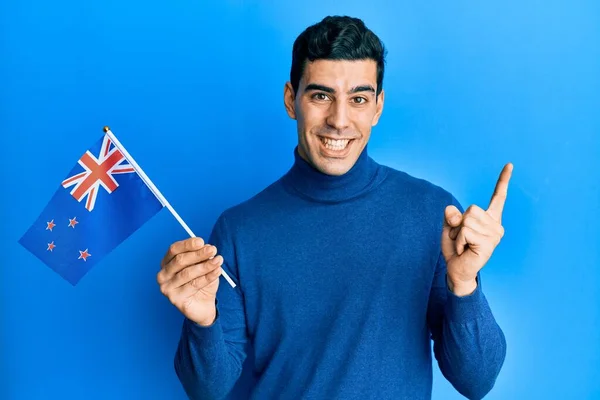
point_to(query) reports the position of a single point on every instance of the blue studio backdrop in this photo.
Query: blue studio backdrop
(194, 91)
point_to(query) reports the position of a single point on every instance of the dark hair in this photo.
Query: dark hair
(337, 38)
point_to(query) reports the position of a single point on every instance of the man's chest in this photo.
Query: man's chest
(339, 260)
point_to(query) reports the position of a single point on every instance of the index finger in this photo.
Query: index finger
(182, 246)
(500, 192)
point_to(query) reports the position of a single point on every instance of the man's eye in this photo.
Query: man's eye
(320, 96)
(360, 100)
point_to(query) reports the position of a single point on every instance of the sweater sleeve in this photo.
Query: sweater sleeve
(209, 360)
(469, 346)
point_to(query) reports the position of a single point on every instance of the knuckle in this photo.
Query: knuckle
(164, 290)
(468, 222)
(208, 250)
(160, 277)
(188, 244)
(476, 210)
(185, 274)
(196, 283)
(179, 259)
(202, 253)
(192, 244)
(172, 250)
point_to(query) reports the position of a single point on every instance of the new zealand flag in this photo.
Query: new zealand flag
(99, 204)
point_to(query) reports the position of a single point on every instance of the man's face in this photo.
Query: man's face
(335, 109)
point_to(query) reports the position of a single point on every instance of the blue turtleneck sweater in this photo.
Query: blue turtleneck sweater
(341, 292)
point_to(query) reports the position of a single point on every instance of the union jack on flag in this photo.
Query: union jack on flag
(100, 203)
(98, 171)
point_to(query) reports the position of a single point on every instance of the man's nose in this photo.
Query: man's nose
(338, 117)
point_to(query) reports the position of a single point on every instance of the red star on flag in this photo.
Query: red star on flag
(84, 254)
(51, 246)
(50, 225)
(72, 222)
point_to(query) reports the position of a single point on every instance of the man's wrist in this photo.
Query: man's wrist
(461, 288)
(209, 320)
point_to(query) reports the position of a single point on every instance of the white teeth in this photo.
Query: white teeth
(338, 144)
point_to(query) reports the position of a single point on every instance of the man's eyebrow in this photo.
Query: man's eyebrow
(327, 89)
(362, 88)
(316, 86)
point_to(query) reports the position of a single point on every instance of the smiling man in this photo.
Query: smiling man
(347, 269)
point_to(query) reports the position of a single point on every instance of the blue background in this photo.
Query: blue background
(194, 91)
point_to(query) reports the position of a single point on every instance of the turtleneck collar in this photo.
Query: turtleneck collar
(312, 183)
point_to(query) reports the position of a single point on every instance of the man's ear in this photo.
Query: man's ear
(288, 100)
(380, 99)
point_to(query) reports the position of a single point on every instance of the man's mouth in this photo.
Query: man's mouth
(335, 144)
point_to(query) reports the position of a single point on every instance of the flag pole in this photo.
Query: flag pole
(156, 192)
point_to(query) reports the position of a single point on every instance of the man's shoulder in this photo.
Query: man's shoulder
(415, 186)
(416, 199)
(257, 206)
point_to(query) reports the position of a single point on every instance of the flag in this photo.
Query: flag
(100, 203)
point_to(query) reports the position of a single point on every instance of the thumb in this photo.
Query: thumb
(452, 217)
(452, 221)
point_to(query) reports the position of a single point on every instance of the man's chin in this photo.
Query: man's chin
(328, 163)
(335, 167)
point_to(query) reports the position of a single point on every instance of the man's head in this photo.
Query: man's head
(335, 91)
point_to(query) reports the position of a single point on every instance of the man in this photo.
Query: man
(346, 269)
